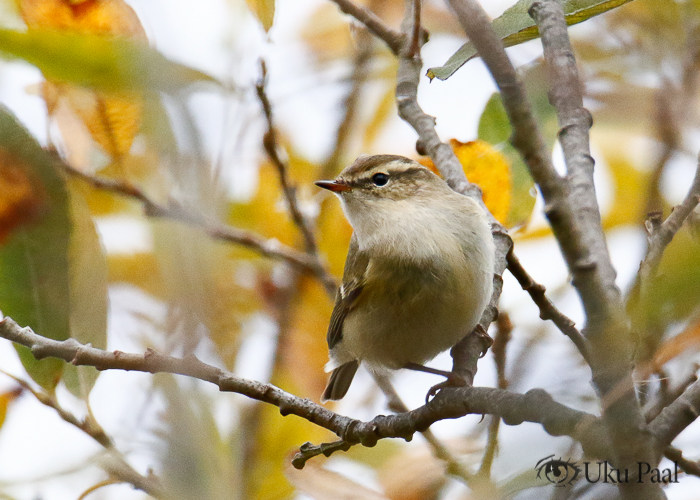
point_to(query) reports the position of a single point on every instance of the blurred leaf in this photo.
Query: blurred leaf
(630, 192)
(196, 460)
(264, 10)
(104, 17)
(88, 315)
(675, 294)
(686, 341)
(323, 484)
(494, 128)
(276, 439)
(139, 269)
(34, 275)
(110, 64)
(6, 398)
(515, 26)
(22, 201)
(489, 169)
(113, 120)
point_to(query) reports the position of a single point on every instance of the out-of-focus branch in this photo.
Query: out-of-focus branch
(548, 311)
(677, 416)
(500, 343)
(120, 470)
(454, 468)
(661, 234)
(271, 145)
(534, 406)
(394, 39)
(267, 247)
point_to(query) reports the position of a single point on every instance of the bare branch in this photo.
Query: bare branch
(270, 144)
(119, 468)
(454, 468)
(392, 38)
(267, 247)
(677, 416)
(548, 310)
(534, 406)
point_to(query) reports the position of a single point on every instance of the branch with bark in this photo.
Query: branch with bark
(304, 262)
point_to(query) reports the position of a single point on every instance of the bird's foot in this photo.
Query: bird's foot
(453, 380)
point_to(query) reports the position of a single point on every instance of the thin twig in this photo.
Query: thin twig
(394, 39)
(415, 36)
(148, 484)
(687, 466)
(677, 416)
(548, 311)
(441, 452)
(500, 343)
(661, 235)
(534, 406)
(266, 247)
(271, 145)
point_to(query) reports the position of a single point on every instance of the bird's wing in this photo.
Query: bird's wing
(350, 291)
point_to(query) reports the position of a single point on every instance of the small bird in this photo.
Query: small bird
(418, 274)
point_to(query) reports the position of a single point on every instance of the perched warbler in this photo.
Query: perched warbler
(418, 274)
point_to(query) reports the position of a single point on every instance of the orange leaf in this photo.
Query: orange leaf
(489, 169)
(5, 399)
(112, 120)
(21, 200)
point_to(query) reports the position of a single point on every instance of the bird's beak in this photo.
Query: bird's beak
(335, 186)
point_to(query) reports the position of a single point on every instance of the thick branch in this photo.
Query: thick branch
(266, 247)
(534, 406)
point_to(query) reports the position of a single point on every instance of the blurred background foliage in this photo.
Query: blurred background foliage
(117, 108)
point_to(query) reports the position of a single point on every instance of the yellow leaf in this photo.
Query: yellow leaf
(5, 399)
(264, 10)
(489, 169)
(112, 120)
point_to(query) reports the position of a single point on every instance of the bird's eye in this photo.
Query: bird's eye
(380, 179)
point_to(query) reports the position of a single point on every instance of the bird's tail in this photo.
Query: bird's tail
(340, 380)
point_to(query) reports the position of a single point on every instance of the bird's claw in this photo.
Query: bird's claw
(453, 380)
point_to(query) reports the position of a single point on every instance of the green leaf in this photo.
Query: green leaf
(34, 279)
(264, 10)
(494, 128)
(515, 26)
(98, 62)
(88, 293)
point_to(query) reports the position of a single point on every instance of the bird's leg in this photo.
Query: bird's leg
(452, 379)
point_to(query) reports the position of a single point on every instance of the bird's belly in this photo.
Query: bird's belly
(418, 316)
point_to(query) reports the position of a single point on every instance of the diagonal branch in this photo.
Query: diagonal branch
(677, 416)
(393, 39)
(548, 311)
(660, 235)
(116, 466)
(534, 406)
(266, 247)
(271, 145)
